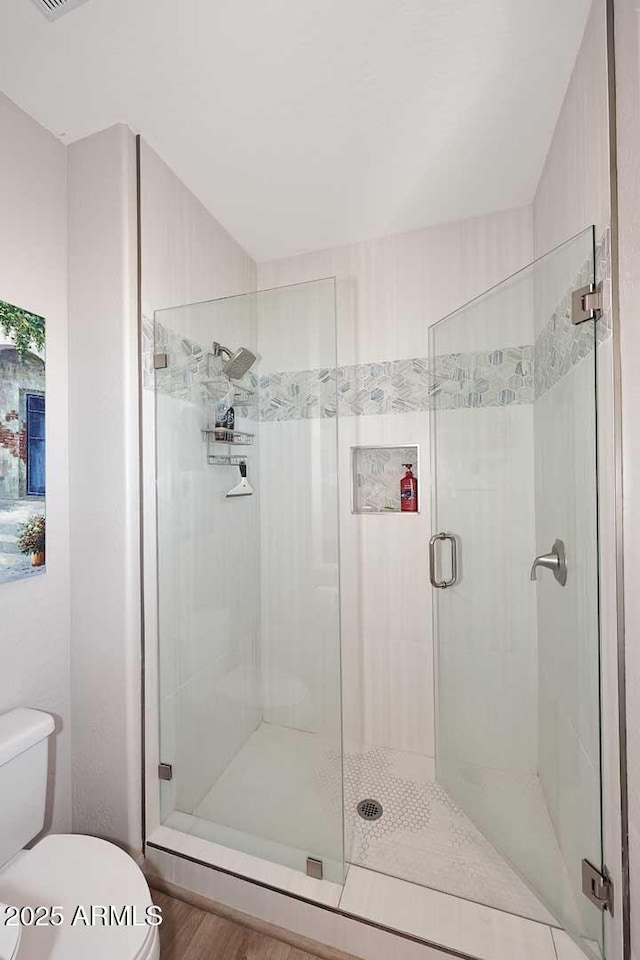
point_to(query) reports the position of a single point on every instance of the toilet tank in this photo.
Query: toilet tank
(24, 752)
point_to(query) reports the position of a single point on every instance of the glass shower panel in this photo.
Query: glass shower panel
(514, 444)
(247, 535)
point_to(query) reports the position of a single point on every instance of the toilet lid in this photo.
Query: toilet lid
(72, 872)
(9, 937)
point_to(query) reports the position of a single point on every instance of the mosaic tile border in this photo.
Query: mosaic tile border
(494, 378)
(298, 395)
(453, 381)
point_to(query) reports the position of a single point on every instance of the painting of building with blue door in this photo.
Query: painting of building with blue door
(22, 443)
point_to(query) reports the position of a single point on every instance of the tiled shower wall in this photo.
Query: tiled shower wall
(388, 390)
(389, 292)
(297, 414)
(299, 545)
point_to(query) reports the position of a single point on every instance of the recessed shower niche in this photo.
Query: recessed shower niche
(376, 476)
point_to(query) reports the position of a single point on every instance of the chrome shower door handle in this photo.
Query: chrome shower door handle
(556, 561)
(443, 584)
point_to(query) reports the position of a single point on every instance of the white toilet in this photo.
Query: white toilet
(66, 871)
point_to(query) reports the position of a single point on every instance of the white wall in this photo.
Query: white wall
(34, 613)
(389, 291)
(103, 466)
(187, 257)
(573, 191)
(627, 52)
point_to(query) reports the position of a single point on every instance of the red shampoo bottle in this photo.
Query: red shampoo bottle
(409, 491)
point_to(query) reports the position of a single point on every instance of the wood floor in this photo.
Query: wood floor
(187, 933)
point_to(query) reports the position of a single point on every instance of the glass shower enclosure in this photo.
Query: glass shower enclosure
(508, 813)
(247, 558)
(515, 572)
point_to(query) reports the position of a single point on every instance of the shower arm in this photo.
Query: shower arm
(219, 350)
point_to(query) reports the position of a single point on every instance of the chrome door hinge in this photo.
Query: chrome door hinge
(597, 886)
(160, 361)
(586, 303)
(165, 771)
(314, 868)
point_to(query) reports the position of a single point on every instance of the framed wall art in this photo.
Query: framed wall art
(22, 443)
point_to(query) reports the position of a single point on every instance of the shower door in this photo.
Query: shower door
(517, 658)
(248, 596)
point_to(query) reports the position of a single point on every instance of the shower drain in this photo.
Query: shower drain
(369, 809)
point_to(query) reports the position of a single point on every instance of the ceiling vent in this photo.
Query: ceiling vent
(52, 9)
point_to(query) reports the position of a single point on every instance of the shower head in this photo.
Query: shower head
(238, 363)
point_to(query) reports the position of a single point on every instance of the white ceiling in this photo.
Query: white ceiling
(306, 123)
